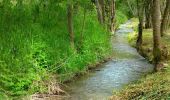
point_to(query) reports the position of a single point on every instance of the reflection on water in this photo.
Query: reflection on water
(126, 66)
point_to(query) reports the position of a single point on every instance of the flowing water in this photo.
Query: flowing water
(126, 66)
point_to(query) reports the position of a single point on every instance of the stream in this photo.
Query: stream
(125, 67)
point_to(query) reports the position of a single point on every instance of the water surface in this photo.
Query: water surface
(126, 66)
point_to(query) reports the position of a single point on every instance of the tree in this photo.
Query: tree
(99, 11)
(70, 22)
(132, 7)
(102, 5)
(112, 19)
(148, 17)
(156, 17)
(140, 25)
(165, 17)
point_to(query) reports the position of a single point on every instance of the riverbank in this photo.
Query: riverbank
(125, 67)
(155, 86)
(58, 89)
(36, 54)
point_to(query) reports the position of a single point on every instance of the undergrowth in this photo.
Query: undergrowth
(34, 44)
(152, 87)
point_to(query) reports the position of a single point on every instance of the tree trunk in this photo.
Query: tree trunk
(165, 17)
(139, 41)
(102, 4)
(168, 22)
(148, 16)
(130, 6)
(112, 7)
(99, 11)
(140, 37)
(108, 14)
(156, 18)
(70, 22)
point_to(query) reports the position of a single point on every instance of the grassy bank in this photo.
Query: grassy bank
(154, 86)
(35, 53)
(35, 46)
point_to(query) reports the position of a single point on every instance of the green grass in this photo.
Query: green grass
(34, 45)
(152, 87)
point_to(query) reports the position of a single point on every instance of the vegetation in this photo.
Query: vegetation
(35, 43)
(44, 43)
(42, 39)
(154, 86)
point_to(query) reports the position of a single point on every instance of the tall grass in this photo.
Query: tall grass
(34, 42)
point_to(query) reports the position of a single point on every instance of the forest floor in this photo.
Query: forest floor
(155, 86)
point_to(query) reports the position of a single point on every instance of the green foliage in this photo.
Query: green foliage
(125, 10)
(34, 42)
(120, 18)
(127, 7)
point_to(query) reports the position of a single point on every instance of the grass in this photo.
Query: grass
(152, 87)
(155, 86)
(34, 45)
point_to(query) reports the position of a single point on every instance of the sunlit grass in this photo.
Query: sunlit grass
(152, 87)
(134, 23)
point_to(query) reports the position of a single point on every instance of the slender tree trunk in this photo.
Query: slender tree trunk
(148, 16)
(99, 11)
(102, 4)
(108, 14)
(165, 17)
(70, 22)
(140, 37)
(140, 25)
(156, 18)
(112, 7)
(168, 22)
(131, 8)
(162, 6)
